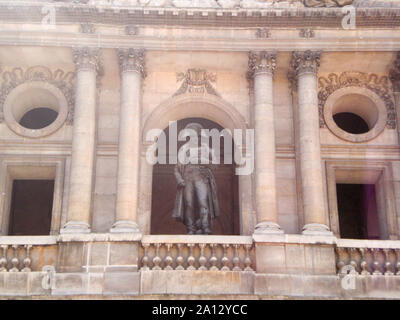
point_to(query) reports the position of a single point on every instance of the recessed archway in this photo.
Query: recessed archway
(164, 189)
(195, 106)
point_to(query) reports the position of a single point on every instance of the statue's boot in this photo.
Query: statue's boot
(204, 221)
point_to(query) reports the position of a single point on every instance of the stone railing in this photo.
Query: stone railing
(365, 257)
(214, 253)
(26, 254)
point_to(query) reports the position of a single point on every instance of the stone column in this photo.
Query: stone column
(83, 141)
(262, 67)
(395, 78)
(305, 65)
(132, 71)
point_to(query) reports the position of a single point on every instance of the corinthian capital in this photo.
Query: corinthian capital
(394, 74)
(261, 62)
(87, 58)
(132, 60)
(305, 61)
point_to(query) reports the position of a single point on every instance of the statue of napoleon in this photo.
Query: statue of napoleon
(196, 202)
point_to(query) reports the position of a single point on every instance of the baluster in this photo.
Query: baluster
(14, 260)
(225, 260)
(202, 259)
(157, 259)
(179, 259)
(27, 260)
(191, 260)
(398, 262)
(376, 263)
(339, 257)
(247, 260)
(3, 259)
(388, 264)
(168, 259)
(353, 262)
(236, 259)
(145, 259)
(213, 259)
(365, 269)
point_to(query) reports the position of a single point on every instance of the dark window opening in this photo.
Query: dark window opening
(351, 123)
(38, 118)
(31, 207)
(358, 212)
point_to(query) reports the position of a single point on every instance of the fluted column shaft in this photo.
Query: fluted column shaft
(306, 66)
(132, 71)
(262, 66)
(83, 142)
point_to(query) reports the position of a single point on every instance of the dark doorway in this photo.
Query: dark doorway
(31, 207)
(165, 188)
(358, 213)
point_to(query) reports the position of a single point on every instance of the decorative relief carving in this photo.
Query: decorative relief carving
(378, 84)
(132, 60)
(305, 61)
(87, 58)
(261, 62)
(196, 81)
(63, 81)
(263, 33)
(327, 3)
(87, 28)
(307, 33)
(394, 74)
(131, 30)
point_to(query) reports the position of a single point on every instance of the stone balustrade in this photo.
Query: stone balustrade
(26, 254)
(366, 258)
(215, 253)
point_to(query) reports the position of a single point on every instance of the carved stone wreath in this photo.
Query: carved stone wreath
(17, 76)
(378, 84)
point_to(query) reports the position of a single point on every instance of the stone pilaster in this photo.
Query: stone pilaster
(261, 69)
(132, 64)
(394, 76)
(305, 65)
(83, 141)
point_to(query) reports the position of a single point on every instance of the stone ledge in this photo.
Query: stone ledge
(196, 239)
(294, 239)
(99, 237)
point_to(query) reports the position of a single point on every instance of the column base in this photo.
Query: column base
(316, 229)
(72, 227)
(268, 228)
(125, 226)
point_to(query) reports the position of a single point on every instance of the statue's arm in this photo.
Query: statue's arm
(178, 177)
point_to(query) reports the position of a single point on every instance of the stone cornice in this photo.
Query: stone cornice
(343, 42)
(256, 16)
(86, 58)
(261, 62)
(394, 74)
(132, 60)
(305, 61)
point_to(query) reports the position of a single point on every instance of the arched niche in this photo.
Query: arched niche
(209, 108)
(164, 189)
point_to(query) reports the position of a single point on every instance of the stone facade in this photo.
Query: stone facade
(115, 70)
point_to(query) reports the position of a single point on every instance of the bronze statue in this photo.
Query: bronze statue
(196, 202)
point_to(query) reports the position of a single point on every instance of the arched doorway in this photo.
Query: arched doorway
(164, 189)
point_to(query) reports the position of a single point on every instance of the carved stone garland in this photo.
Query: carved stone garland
(378, 84)
(196, 81)
(60, 79)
